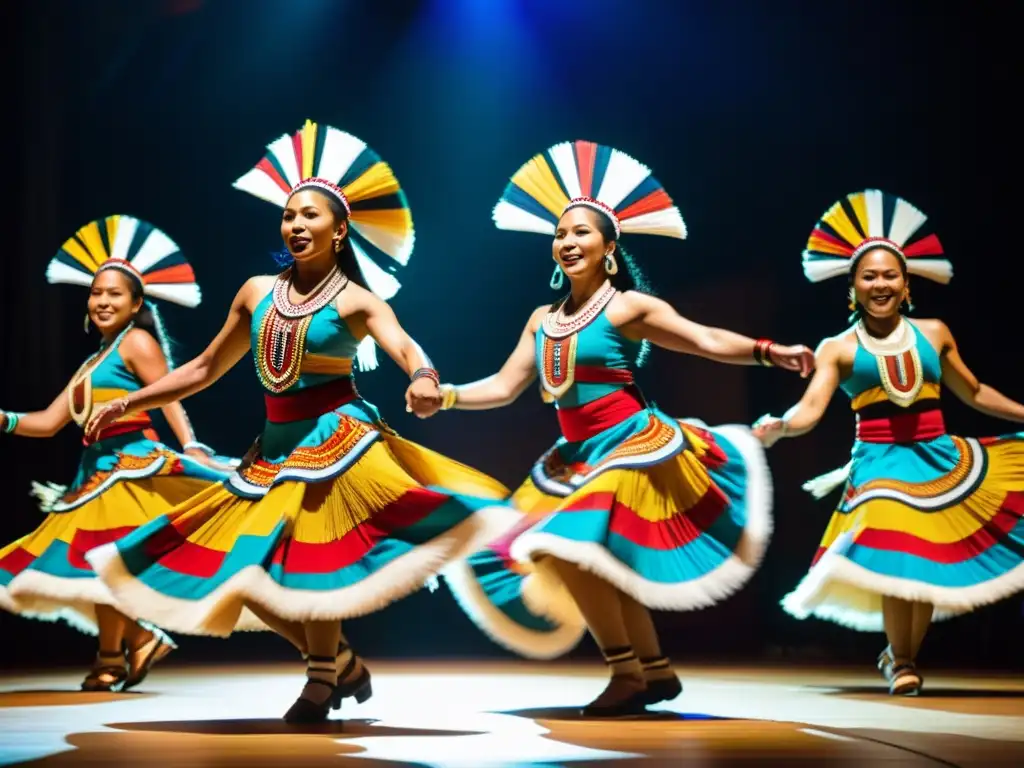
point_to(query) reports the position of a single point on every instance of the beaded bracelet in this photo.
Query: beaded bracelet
(427, 373)
(199, 447)
(449, 396)
(11, 422)
(762, 352)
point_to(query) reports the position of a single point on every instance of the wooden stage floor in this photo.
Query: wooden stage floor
(509, 715)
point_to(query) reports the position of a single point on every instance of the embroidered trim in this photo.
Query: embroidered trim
(170, 464)
(346, 437)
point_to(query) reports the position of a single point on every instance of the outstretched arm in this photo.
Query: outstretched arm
(40, 423)
(805, 415)
(143, 356)
(518, 372)
(227, 348)
(655, 320)
(965, 385)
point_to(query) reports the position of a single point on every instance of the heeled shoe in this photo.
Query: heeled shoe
(905, 681)
(663, 689)
(360, 688)
(307, 711)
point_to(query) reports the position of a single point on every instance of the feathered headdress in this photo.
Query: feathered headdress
(137, 248)
(381, 231)
(582, 173)
(873, 219)
(130, 245)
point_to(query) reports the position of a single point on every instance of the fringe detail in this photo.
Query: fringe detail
(221, 612)
(822, 485)
(47, 495)
(703, 592)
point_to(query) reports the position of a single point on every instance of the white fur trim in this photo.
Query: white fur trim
(503, 630)
(862, 591)
(697, 593)
(219, 612)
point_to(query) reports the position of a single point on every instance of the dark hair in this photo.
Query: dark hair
(629, 277)
(858, 310)
(346, 257)
(148, 317)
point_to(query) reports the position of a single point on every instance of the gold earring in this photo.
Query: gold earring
(611, 266)
(337, 246)
(853, 300)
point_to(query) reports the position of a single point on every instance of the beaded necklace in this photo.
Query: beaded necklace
(282, 334)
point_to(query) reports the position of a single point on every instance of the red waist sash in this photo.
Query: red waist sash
(135, 423)
(596, 374)
(309, 403)
(585, 421)
(902, 428)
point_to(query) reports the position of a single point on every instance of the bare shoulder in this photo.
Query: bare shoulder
(537, 318)
(355, 298)
(254, 290)
(836, 348)
(628, 306)
(931, 326)
(139, 343)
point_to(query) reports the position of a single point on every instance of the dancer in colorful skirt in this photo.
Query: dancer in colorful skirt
(332, 514)
(929, 524)
(631, 509)
(126, 477)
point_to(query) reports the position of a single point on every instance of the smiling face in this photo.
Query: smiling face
(309, 227)
(579, 246)
(111, 303)
(880, 284)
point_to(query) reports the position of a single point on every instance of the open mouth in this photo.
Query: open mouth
(568, 259)
(298, 243)
(881, 300)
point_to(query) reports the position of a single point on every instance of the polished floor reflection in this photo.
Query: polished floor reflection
(511, 715)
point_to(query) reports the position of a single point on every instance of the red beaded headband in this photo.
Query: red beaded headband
(124, 266)
(877, 242)
(326, 186)
(597, 205)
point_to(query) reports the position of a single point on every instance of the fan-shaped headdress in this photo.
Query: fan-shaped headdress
(873, 219)
(582, 173)
(339, 164)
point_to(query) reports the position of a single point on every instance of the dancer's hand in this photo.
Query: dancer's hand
(769, 430)
(104, 417)
(795, 358)
(423, 397)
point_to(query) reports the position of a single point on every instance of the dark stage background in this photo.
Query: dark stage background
(756, 116)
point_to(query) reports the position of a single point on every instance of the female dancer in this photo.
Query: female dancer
(631, 509)
(332, 515)
(929, 524)
(125, 477)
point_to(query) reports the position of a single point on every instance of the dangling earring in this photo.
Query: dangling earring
(853, 299)
(85, 325)
(337, 246)
(556, 279)
(909, 303)
(611, 266)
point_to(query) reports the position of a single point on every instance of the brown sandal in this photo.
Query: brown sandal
(105, 677)
(142, 658)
